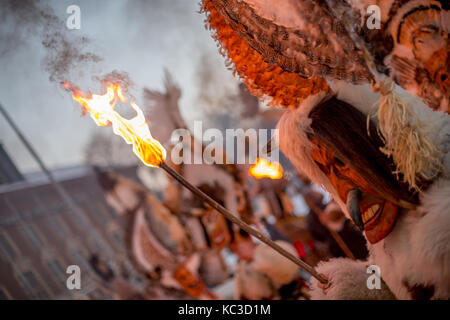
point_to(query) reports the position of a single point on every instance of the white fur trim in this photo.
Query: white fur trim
(430, 241)
(348, 282)
(294, 143)
(417, 251)
(361, 97)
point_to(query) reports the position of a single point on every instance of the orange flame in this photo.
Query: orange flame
(134, 131)
(265, 169)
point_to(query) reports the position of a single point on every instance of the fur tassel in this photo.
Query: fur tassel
(415, 156)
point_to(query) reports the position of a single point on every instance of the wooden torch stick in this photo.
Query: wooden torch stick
(336, 236)
(227, 214)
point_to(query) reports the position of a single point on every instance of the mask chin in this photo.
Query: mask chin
(377, 229)
(373, 215)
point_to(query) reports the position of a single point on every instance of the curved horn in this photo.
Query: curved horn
(353, 207)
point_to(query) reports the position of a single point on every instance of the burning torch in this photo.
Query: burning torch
(136, 132)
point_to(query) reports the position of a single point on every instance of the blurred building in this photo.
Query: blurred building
(40, 237)
(8, 171)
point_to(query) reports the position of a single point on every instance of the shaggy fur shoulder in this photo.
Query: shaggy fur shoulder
(415, 256)
(431, 238)
(348, 282)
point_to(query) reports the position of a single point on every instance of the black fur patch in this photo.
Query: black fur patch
(419, 291)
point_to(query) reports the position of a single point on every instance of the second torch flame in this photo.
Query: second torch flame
(134, 131)
(265, 169)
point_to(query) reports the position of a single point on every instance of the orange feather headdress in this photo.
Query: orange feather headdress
(268, 82)
(287, 52)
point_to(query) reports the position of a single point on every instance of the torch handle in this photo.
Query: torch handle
(230, 216)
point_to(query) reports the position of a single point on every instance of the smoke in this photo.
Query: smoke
(67, 56)
(139, 36)
(115, 77)
(64, 56)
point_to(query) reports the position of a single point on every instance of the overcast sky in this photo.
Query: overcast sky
(140, 37)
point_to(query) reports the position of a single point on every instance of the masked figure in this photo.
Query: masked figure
(158, 243)
(330, 140)
(268, 275)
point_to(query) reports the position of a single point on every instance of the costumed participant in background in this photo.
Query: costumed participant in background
(390, 173)
(332, 218)
(268, 276)
(214, 230)
(274, 191)
(309, 248)
(119, 287)
(164, 106)
(209, 230)
(206, 229)
(275, 211)
(157, 242)
(243, 247)
(296, 230)
(329, 227)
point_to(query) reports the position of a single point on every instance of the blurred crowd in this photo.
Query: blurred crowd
(188, 250)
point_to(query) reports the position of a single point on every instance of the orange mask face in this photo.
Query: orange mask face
(372, 212)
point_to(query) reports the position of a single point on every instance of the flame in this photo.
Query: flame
(134, 131)
(265, 169)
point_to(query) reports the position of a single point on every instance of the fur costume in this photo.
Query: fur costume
(353, 274)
